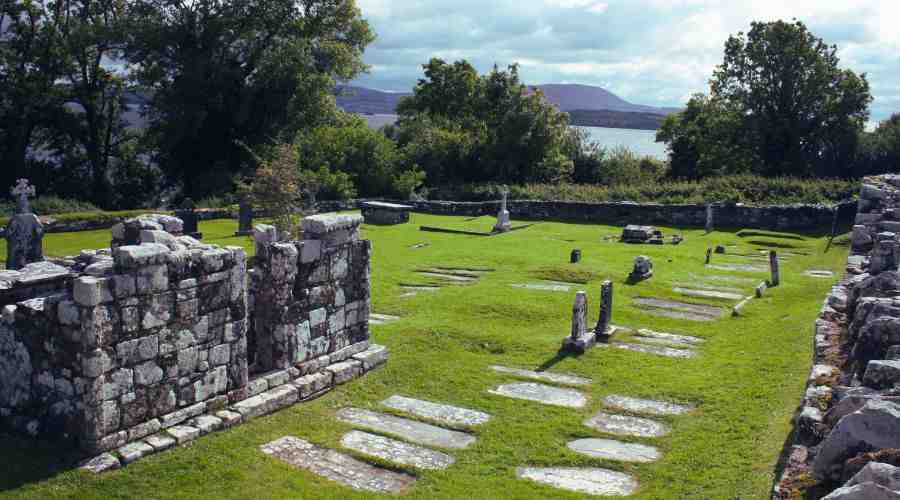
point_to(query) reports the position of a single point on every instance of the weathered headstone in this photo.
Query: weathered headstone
(503, 225)
(720, 249)
(188, 215)
(602, 329)
(708, 255)
(24, 233)
(643, 269)
(773, 267)
(245, 218)
(575, 258)
(580, 339)
(709, 218)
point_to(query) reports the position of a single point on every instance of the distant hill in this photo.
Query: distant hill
(588, 106)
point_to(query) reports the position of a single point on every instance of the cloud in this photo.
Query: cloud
(655, 52)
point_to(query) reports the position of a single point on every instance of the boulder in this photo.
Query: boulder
(882, 374)
(881, 474)
(864, 491)
(871, 428)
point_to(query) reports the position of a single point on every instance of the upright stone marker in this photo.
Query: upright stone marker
(708, 255)
(709, 218)
(575, 258)
(188, 215)
(580, 339)
(503, 225)
(773, 267)
(245, 219)
(643, 269)
(25, 233)
(606, 304)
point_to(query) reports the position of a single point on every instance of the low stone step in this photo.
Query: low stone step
(410, 430)
(555, 378)
(338, 467)
(395, 451)
(451, 416)
(540, 393)
(623, 425)
(648, 406)
(615, 450)
(591, 481)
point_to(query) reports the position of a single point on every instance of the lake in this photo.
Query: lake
(641, 142)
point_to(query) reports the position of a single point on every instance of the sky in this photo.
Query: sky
(652, 52)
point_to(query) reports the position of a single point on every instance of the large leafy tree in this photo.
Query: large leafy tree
(801, 111)
(228, 77)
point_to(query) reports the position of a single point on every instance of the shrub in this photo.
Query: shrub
(276, 187)
(50, 205)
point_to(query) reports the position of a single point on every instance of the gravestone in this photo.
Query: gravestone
(720, 249)
(643, 269)
(575, 258)
(245, 219)
(640, 234)
(580, 339)
(709, 219)
(773, 267)
(503, 225)
(602, 330)
(188, 215)
(884, 253)
(24, 233)
(708, 255)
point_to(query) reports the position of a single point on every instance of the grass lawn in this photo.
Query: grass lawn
(747, 380)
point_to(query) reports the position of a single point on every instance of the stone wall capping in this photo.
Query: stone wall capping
(317, 225)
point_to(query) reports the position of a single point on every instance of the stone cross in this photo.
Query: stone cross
(606, 304)
(503, 225)
(709, 218)
(579, 316)
(21, 192)
(504, 191)
(773, 267)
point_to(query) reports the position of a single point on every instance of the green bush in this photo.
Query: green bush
(50, 205)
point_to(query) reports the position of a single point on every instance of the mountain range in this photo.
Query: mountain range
(586, 104)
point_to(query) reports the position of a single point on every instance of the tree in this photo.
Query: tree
(800, 110)
(880, 149)
(277, 188)
(228, 77)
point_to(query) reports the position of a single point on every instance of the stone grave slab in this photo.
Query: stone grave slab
(708, 294)
(679, 310)
(715, 278)
(747, 268)
(553, 378)
(647, 406)
(413, 290)
(540, 393)
(610, 449)
(337, 466)
(624, 425)
(547, 287)
(451, 416)
(714, 287)
(649, 336)
(411, 430)
(395, 451)
(818, 273)
(448, 277)
(591, 481)
(380, 319)
(668, 352)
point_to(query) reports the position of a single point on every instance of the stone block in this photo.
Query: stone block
(101, 463)
(132, 452)
(311, 251)
(220, 355)
(346, 371)
(145, 429)
(316, 226)
(229, 418)
(134, 256)
(251, 407)
(372, 357)
(207, 424)
(183, 433)
(152, 279)
(89, 291)
(347, 352)
(161, 441)
(182, 415)
(148, 373)
(95, 363)
(257, 386)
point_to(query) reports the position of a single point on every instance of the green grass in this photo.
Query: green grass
(747, 381)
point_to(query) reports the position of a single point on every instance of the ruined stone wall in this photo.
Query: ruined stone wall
(850, 412)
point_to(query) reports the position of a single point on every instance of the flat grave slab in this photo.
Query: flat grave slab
(668, 352)
(714, 287)
(715, 278)
(452, 416)
(818, 273)
(610, 449)
(708, 294)
(413, 290)
(592, 481)
(547, 287)
(411, 430)
(337, 466)
(395, 451)
(648, 336)
(553, 378)
(448, 277)
(380, 319)
(748, 268)
(624, 425)
(540, 393)
(647, 406)
(679, 310)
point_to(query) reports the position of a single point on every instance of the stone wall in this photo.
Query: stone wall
(850, 413)
(156, 334)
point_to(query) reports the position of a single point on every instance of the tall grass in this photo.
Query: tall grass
(747, 189)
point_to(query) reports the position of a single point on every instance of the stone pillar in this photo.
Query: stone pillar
(503, 225)
(25, 233)
(709, 218)
(579, 316)
(264, 234)
(606, 305)
(245, 219)
(575, 258)
(773, 266)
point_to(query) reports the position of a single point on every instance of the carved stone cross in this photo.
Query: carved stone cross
(504, 191)
(22, 191)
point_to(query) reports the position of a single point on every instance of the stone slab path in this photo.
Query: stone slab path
(615, 450)
(650, 336)
(410, 430)
(592, 481)
(668, 352)
(395, 451)
(380, 319)
(451, 416)
(646, 406)
(623, 425)
(708, 294)
(338, 467)
(540, 393)
(553, 378)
